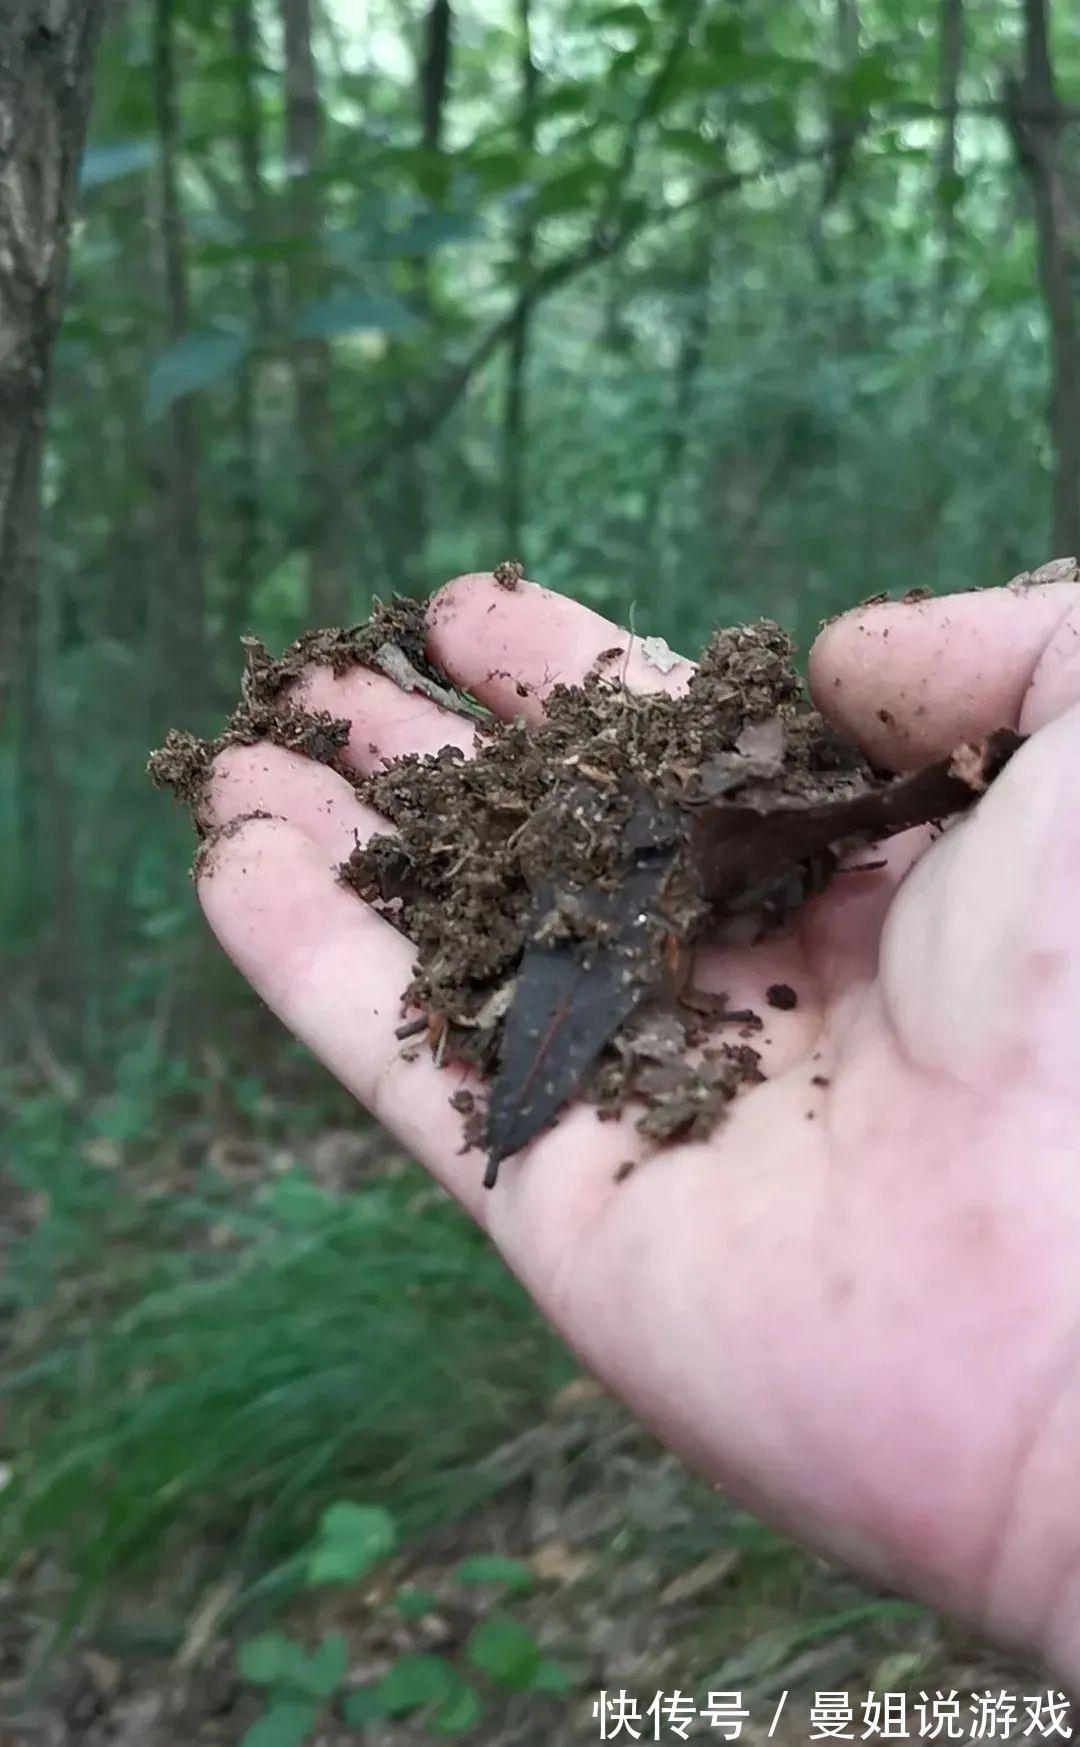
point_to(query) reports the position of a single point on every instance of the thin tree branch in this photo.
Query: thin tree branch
(648, 104)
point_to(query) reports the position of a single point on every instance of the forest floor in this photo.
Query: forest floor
(595, 1510)
(641, 1579)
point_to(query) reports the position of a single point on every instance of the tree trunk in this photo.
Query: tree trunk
(320, 513)
(46, 59)
(406, 530)
(514, 413)
(844, 129)
(693, 341)
(950, 64)
(435, 73)
(1037, 123)
(179, 611)
(247, 495)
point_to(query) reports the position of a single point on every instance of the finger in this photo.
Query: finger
(978, 960)
(334, 971)
(268, 779)
(910, 680)
(509, 647)
(385, 722)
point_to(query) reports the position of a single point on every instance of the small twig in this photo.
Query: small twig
(393, 661)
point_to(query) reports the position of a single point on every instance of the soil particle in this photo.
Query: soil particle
(391, 641)
(555, 885)
(203, 864)
(509, 574)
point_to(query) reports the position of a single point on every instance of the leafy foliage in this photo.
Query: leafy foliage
(501, 1649)
(198, 361)
(352, 1538)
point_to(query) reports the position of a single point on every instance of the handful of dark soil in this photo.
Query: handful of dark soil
(556, 883)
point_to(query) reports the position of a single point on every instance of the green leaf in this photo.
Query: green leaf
(287, 1724)
(550, 1676)
(427, 231)
(413, 1603)
(628, 17)
(871, 79)
(461, 1711)
(345, 1521)
(197, 361)
(107, 163)
(415, 1681)
(226, 252)
(694, 145)
(570, 191)
(363, 1706)
(352, 1539)
(505, 1650)
(353, 312)
(569, 98)
(510, 1574)
(325, 1668)
(270, 1660)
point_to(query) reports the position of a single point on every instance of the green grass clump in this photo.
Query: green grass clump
(225, 1368)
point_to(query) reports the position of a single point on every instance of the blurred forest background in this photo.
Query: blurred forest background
(702, 310)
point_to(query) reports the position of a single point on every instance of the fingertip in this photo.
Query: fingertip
(386, 721)
(909, 680)
(511, 644)
(472, 588)
(264, 778)
(497, 641)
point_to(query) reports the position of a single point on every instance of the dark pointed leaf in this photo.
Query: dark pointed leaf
(565, 1008)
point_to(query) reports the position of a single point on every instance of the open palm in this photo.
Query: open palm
(858, 1306)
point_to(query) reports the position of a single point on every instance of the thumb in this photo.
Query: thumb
(978, 961)
(910, 680)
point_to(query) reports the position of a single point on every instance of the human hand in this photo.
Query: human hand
(857, 1306)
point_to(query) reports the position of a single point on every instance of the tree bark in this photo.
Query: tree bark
(179, 615)
(435, 73)
(514, 412)
(247, 494)
(950, 65)
(320, 514)
(1037, 122)
(46, 60)
(844, 130)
